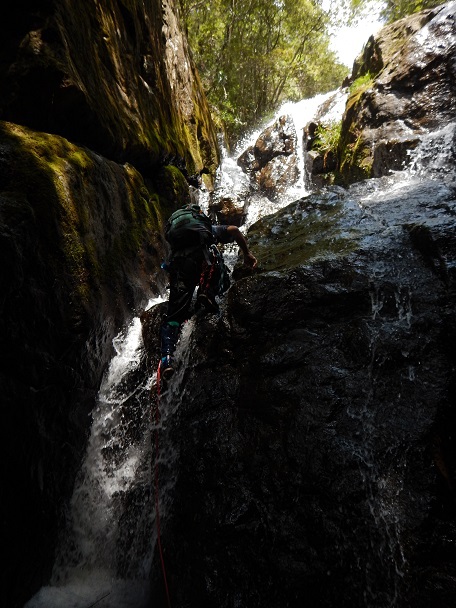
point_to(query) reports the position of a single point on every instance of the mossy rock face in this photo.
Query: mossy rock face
(403, 85)
(318, 227)
(93, 216)
(80, 243)
(173, 189)
(115, 76)
(381, 49)
(81, 231)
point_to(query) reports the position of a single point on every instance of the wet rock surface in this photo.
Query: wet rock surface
(271, 161)
(98, 75)
(102, 118)
(316, 457)
(308, 438)
(315, 416)
(228, 210)
(404, 85)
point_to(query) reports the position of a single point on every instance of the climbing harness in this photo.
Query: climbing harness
(215, 275)
(157, 485)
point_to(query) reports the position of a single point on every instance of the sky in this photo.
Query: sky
(348, 42)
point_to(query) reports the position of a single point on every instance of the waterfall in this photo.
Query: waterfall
(233, 182)
(303, 112)
(383, 469)
(106, 549)
(382, 456)
(107, 546)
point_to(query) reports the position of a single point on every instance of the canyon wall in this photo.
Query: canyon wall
(102, 122)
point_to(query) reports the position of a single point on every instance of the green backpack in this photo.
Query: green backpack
(188, 227)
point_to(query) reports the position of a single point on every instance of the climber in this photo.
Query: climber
(195, 260)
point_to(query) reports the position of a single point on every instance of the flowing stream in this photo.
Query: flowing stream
(92, 567)
(234, 182)
(106, 551)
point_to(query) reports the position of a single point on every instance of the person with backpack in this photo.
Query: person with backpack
(195, 261)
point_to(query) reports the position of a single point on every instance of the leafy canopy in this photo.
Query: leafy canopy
(396, 9)
(349, 11)
(254, 54)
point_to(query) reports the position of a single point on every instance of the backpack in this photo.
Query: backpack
(188, 227)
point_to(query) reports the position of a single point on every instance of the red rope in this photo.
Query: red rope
(157, 507)
(206, 276)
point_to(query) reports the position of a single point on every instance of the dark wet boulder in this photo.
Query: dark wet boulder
(316, 450)
(318, 163)
(228, 210)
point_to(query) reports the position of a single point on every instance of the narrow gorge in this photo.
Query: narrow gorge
(304, 454)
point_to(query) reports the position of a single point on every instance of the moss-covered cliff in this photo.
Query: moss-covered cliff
(102, 119)
(115, 76)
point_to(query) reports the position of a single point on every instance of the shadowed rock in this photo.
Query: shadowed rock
(316, 456)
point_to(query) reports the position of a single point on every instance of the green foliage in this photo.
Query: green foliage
(396, 9)
(254, 54)
(328, 137)
(348, 12)
(361, 84)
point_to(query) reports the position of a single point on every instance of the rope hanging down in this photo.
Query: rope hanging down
(157, 506)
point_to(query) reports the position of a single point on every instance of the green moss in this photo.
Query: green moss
(327, 143)
(177, 181)
(328, 137)
(355, 156)
(70, 192)
(358, 86)
(355, 161)
(172, 189)
(282, 243)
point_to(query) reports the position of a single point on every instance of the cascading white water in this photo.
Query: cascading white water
(431, 160)
(90, 566)
(233, 182)
(303, 112)
(431, 166)
(106, 551)
(89, 570)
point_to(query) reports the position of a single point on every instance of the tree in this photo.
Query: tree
(254, 54)
(396, 9)
(349, 11)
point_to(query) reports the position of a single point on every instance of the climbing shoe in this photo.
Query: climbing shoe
(166, 367)
(208, 302)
